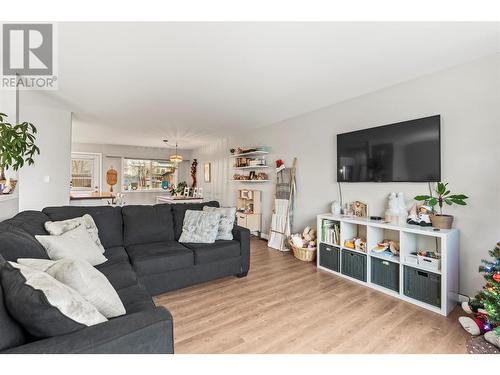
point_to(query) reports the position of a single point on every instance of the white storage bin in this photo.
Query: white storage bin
(429, 263)
(411, 259)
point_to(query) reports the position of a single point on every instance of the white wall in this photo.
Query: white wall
(9, 205)
(112, 154)
(467, 97)
(54, 141)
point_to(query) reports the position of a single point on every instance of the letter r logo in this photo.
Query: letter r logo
(27, 49)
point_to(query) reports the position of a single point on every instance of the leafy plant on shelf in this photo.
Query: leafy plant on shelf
(17, 145)
(443, 196)
(179, 189)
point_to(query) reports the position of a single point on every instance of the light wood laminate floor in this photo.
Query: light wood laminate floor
(288, 306)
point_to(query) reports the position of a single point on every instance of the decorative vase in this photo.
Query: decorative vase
(336, 209)
(442, 221)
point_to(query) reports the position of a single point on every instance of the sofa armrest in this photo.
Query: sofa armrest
(242, 235)
(144, 332)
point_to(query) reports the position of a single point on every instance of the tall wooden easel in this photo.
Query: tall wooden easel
(285, 192)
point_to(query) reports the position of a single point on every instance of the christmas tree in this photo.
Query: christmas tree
(490, 295)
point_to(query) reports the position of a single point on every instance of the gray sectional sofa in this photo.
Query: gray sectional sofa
(144, 259)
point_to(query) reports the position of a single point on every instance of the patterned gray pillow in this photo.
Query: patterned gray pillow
(226, 222)
(200, 227)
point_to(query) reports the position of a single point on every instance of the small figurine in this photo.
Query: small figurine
(420, 217)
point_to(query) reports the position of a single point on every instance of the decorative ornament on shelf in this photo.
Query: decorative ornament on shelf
(396, 212)
(194, 167)
(280, 165)
(17, 147)
(111, 178)
(336, 208)
(420, 215)
(356, 208)
(444, 195)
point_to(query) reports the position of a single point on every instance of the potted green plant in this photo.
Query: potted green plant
(179, 189)
(444, 196)
(17, 145)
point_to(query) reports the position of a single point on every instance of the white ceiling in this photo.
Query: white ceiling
(136, 83)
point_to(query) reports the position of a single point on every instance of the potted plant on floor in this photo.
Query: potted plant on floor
(444, 196)
(17, 146)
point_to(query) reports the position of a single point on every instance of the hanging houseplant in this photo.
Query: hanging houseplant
(17, 145)
(444, 196)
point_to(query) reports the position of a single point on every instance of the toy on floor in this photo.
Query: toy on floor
(478, 324)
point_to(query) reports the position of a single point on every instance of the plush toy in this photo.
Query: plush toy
(478, 324)
(305, 239)
(420, 215)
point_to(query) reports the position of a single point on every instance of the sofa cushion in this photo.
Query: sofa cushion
(76, 243)
(219, 250)
(179, 210)
(85, 279)
(200, 227)
(146, 224)
(44, 306)
(11, 333)
(226, 221)
(31, 222)
(16, 243)
(159, 257)
(119, 274)
(58, 228)
(108, 220)
(116, 255)
(135, 298)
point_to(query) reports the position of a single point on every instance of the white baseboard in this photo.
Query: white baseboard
(264, 236)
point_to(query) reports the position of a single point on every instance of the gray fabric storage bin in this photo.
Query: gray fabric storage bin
(385, 273)
(422, 285)
(329, 257)
(354, 264)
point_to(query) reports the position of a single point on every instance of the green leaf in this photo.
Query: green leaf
(441, 188)
(433, 202)
(459, 202)
(448, 201)
(459, 196)
(422, 197)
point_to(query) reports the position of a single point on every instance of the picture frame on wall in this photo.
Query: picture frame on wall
(208, 172)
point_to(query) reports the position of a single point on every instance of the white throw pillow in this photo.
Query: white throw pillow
(85, 279)
(68, 301)
(56, 228)
(200, 227)
(74, 244)
(226, 221)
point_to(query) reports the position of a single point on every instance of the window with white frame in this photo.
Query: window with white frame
(85, 171)
(148, 175)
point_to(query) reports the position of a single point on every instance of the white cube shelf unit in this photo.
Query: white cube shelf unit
(401, 277)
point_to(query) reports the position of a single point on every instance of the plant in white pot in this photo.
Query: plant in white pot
(444, 196)
(17, 145)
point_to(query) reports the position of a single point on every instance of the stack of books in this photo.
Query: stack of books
(330, 232)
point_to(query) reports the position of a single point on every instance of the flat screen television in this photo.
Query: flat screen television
(407, 151)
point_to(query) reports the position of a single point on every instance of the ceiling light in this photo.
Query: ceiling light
(176, 158)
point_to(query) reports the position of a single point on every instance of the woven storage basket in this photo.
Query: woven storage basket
(304, 254)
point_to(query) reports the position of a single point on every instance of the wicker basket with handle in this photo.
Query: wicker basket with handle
(303, 253)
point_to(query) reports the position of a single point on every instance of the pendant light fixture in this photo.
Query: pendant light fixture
(175, 158)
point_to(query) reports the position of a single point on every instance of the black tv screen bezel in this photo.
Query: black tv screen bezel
(384, 126)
